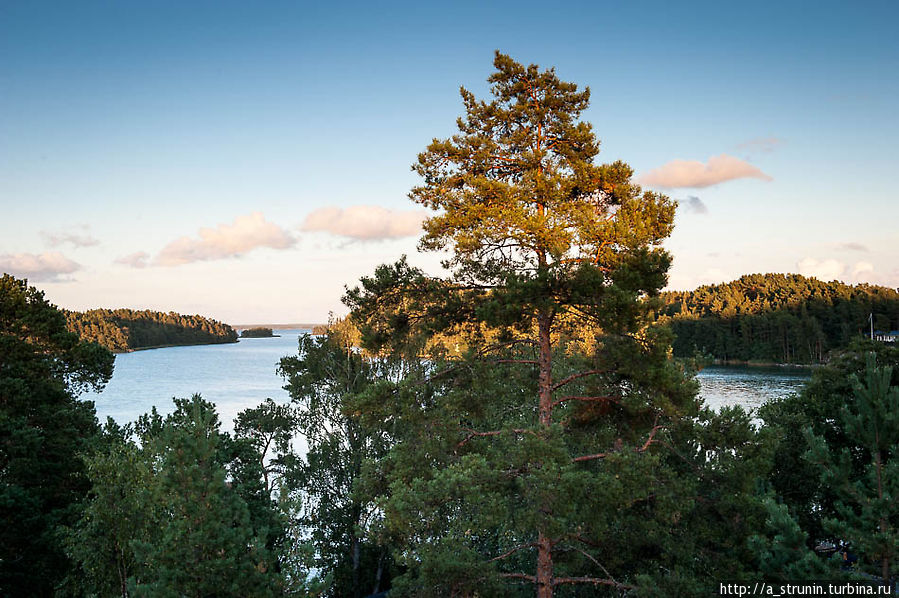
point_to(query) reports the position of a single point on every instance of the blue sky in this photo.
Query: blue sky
(247, 160)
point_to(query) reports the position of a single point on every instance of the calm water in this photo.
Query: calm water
(234, 376)
(241, 375)
(722, 386)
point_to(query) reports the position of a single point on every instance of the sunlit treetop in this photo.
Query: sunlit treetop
(517, 188)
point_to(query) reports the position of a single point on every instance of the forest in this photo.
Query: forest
(121, 330)
(517, 427)
(776, 318)
(257, 332)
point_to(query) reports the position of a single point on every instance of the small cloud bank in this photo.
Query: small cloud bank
(365, 223)
(225, 241)
(763, 145)
(695, 205)
(832, 269)
(70, 238)
(45, 267)
(138, 259)
(692, 173)
(827, 270)
(854, 247)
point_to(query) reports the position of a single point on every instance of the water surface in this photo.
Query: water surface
(234, 376)
(749, 386)
(240, 375)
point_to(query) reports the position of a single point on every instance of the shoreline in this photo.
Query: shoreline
(175, 345)
(764, 364)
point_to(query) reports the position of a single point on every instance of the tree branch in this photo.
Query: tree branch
(586, 399)
(597, 581)
(649, 441)
(524, 576)
(574, 377)
(513, 551)
(476, 434)
(525, 361)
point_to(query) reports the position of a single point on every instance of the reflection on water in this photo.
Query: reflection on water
(749, 387)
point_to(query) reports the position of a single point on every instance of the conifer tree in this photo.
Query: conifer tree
(205, 545)
(545, 425)
(44, 430)
(867, 505)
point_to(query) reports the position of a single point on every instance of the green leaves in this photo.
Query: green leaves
(330, 382)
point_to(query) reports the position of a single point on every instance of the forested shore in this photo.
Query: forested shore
(776, 318)
(121, 330)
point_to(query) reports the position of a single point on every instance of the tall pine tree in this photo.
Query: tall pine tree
(550, 423)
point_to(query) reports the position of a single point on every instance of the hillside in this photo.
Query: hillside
(127, 329)
(781, 318)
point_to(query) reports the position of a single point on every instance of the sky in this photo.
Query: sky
(248, 160)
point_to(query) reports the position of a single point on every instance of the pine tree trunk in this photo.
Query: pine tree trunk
(544, 385)
(884, 522)
(544, 567)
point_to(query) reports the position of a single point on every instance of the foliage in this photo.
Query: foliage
(867, 507)
(258, 332)
(782, 550)
(542, 438)
(706, 506)
(795, 481)
(784, 318)
(43, 431)
(127, 329)
(322, 379)
(164, 518)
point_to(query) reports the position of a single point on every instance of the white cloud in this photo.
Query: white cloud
(225, 241)
(74, 239)
(854, 247)
(45, 267)
(365, 222)
(861, 270)
(831, 269)
(692, 173)
(761, 144)
(135, 260)
(826, 270)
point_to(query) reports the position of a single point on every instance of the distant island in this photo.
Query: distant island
(258, 332)
(776, 318)
(288, 326)
(122, 330)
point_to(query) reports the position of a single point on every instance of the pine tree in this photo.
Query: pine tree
(867, 506)
(44, 430)
(205, 545)
(562, 257)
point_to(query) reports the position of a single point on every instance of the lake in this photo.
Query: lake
(236, 376)
(749, 386)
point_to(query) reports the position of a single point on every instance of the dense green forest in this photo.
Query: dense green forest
(128, 329)
(258, 332)
(780, 318)
(551, 448)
